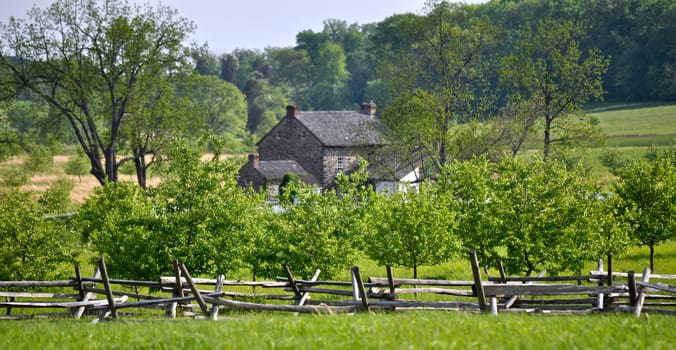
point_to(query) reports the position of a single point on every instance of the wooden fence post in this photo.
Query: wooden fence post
(358, 288)
(632, 288)
(306, 295)
(87, 295)
(177, 292)
(292, 281)
(494, 306)
(193, 288)
(641, 295)
(218, 289)
(599, 297)
(478, 285)
(390, 281)
(106, 286)
(503, 275)
(610, 269)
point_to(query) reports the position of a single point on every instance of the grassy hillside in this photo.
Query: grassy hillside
(636, 124)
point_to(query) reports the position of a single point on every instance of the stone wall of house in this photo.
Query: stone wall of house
(336, 160)
(291, 140)
(249, 176)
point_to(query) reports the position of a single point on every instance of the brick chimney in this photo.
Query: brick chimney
(254, 159)
(368, 108)
(292, 111)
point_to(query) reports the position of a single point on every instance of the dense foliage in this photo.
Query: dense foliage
(34, 246)
(526, 212)
(197, 215)
(647, 190)
(412, 228)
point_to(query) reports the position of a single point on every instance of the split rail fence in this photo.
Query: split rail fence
(185, 296)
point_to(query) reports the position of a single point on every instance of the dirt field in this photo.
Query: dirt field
(84, 185)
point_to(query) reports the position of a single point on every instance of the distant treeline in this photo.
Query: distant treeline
(242, 94)
(338, 67)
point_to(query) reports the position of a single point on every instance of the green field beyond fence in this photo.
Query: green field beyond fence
(636, 124)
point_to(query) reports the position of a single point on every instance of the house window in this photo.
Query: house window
(340, 164)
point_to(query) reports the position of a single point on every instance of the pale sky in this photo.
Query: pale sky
(256, 24)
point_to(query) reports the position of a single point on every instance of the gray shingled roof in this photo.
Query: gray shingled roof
(276, 169)
(343, 128)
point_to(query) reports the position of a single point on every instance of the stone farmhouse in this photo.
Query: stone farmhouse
(316, 146)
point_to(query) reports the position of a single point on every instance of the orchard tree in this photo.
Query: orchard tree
(197, 215)
(468, 188)
(648, 193)
(549, 71)
(545, 216)
(315, 230)
(33, 247)
(412, 229)
(118, 221)
(90, 61)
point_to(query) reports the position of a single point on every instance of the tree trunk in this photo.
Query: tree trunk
(652, 258)
(548, 136)
(111, 168)
(141, 170)
(96, 167)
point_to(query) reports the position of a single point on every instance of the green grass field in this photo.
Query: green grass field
(636, 124)
(410, 330)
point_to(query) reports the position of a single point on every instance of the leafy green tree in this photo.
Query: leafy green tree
(642, 41)
(93, 62)
(118, 220)
(206, 217)
(288, 188)
(608, 234)
(32, 246)
(648, 193)
(197, 215)
(468, 189)
(76, 165)
(412, 229)
(439, 80)
(205, 61)
(156, 116)
(329, 78)
(319, 230)
(549, 70)
(28, 127)
(545, 216)
(215, 106)
(292, 70)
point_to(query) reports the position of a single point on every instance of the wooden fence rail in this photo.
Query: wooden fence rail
(102, 297)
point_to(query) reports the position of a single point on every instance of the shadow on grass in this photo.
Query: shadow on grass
(609, 107)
